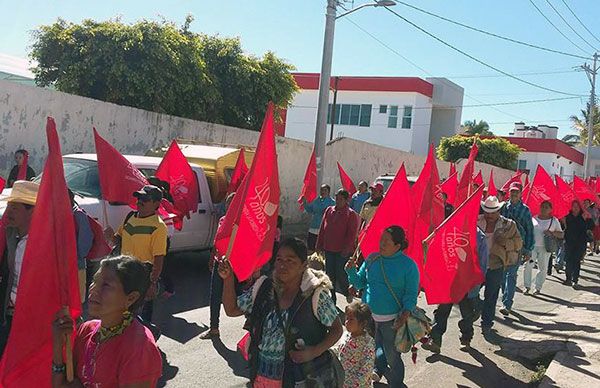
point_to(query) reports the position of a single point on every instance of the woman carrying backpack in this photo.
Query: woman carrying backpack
(292, 320)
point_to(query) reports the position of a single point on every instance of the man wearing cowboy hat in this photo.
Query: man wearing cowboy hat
(504, 243)
(17, 219)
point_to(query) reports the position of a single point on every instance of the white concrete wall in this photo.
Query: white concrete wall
(301, 119)
(551, 164)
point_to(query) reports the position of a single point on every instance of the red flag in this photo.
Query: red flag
(515, 178)
(2, 184)
(22, 174)
(309, 189)
(451, 267)
(119, 179)
(543, 189)
(394, 209)
(249, 227)
(466, 179)
(452, 169)
(492, 191)
(100, 247)
(175, 169)
(418, 189)
(526, 179)
(449, 187)
(239, 172)
(597, 185)
(583, 191)
(48, 279)
(478, 180)
(347, 183)
(568, 196)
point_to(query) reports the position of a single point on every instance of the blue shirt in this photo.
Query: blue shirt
(85, 236)
(357, 201)
(401, 272)
(521, 214)
(317, 208)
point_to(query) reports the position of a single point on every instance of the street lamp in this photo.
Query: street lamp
(323, 104)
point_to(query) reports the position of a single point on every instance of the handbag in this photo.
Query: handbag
(550, 242)
(417, 326)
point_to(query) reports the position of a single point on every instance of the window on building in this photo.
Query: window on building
(351, 114)
(407, 117)
(382, 108)
(521, 164)
(393, 117)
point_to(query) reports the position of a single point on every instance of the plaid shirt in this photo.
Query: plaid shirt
(521, 214)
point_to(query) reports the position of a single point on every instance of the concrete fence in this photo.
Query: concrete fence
(23, 112)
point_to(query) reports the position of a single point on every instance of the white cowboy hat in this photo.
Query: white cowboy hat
(491, 204)
(23, 192)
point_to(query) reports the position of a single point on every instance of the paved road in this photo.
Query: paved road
(192, 362)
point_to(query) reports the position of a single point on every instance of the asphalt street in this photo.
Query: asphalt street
(193, 362)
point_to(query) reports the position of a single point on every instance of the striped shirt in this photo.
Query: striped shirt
(521, 214)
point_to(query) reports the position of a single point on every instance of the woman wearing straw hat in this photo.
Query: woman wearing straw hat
(504, 243)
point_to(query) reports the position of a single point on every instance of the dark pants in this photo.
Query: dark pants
(573, 259)
(165, 276)
(465, 325)
(4, 333)
(334, 266)
(385, 334)
(311, 241)
(146, 313)
(216, 297)
(493, 281)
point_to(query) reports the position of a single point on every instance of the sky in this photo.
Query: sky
(389, 47)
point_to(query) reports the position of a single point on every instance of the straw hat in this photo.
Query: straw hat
(491, 204)
(23, 192)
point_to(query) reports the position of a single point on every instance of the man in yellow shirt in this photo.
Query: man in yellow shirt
(143, 236)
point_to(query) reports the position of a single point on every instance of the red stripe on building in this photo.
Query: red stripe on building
(310, 81)
(551, 146)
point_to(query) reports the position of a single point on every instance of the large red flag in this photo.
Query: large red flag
(567, 194)
(175, 169)
(514, 178)
(2, 184)
(22, 173)
(465, 184)
(492, 191)
(478, 180)
(543, 189)
(347, 183)
(119, 179)
(583, 191)
(452, 169)
(394, 209)
(526, 179)
(239, 172)
(309, 188)
(418, 189)
(451, 267)
(48, 280)
(597, 185)
(249, 227)
(449, 187)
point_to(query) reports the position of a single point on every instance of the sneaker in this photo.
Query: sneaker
(432, 347)
(504, 311)
(527, 291)
(465, 345)
(375, 377)
(210, 334)
(485, 330)
(567, 283)
(536, 292)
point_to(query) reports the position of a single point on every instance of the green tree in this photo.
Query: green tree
(481, 128)
(581, 125)
(160, 67)
(495, 151)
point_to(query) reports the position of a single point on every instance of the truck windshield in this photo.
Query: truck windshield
(81, 176)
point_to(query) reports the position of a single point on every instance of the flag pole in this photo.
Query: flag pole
(105, 213)
(68, 353)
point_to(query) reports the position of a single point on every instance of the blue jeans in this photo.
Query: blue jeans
(493, 283)
(381, 365)
(334, 267)
(509, 285)
(560, 256)
(385, 335)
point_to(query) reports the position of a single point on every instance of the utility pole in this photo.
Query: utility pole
(591, 74)
(333, 106)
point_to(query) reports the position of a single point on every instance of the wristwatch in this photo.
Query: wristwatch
(58, 368)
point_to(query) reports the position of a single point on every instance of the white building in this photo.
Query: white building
(406, 113)
(541, 146)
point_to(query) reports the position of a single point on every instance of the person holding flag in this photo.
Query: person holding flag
(517, 211)
(18, 215)
(360, 197)
(316, 209)
(114, 349)
(21, 171)
(370, 206)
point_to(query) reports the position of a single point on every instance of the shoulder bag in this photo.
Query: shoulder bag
(550, 242)
(417, 326)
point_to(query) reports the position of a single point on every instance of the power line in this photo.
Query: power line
(476, 59)
(569, 25)
(579, 20)
(530, 45)
(554, 25)
(570, 71)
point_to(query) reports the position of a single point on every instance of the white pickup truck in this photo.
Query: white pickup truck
(81, 173)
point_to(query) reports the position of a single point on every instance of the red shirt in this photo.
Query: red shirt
(129, 358)
(338, 231)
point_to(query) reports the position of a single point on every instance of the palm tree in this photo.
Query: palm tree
(581, 125)
(481, 128)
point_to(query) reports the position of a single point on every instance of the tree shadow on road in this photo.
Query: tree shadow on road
(487, 374)
(236, 362)
(561, 327)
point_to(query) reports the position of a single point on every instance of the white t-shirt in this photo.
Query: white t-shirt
(540, 226)
(19, 253)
